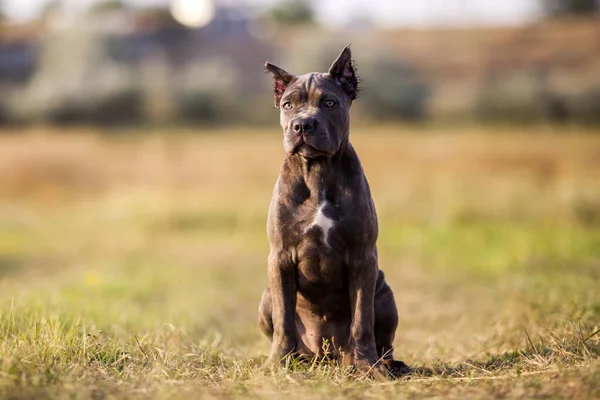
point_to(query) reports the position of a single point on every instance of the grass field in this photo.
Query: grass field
(131, 266)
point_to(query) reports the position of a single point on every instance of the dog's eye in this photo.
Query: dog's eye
(329, 103)
(287, 105)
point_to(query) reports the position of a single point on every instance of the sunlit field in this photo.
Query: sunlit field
(132, 263)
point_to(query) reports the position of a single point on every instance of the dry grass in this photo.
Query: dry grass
(131, 266)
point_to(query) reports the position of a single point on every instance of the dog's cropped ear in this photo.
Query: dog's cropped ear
(282, 80)
(344, 71)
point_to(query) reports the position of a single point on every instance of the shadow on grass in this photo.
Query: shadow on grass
(581, 345)
(576, 347)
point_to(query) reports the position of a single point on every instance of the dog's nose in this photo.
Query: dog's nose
(304, 125)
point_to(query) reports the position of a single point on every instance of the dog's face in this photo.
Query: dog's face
(315, 108)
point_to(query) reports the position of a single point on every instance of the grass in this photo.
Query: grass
(131, 266)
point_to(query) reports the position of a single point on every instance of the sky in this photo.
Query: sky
(387, 13)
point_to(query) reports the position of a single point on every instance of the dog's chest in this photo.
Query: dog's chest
(322, 221)
(321, 248)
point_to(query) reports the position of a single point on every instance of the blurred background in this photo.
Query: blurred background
(139, 147)
(111, 62)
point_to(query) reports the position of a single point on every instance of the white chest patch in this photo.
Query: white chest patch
(322, 221)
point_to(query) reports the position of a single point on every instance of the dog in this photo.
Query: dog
(326, 296)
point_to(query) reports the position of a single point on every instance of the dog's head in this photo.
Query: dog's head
(315, 108)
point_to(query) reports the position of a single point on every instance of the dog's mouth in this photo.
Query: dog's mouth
(307, 149)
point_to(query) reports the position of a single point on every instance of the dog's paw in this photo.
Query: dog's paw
(369, 369)
(270, 364)
(397, 369)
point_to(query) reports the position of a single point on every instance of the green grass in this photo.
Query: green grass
(132, 267)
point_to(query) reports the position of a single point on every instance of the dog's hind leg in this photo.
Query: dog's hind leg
(386, 322)
(265, 314)
(265, 323)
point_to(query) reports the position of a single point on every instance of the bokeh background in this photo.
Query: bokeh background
(139, 146)
(152, 61)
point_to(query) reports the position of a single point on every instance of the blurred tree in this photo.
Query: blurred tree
(395, 89)
(106, 6)
(292, 11)
(563, 7)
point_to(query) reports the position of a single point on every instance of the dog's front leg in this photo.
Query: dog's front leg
(362, 277)
(282, 281)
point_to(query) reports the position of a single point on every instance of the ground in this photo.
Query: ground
(132, 263)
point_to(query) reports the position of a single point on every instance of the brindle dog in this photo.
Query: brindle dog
(324, 282)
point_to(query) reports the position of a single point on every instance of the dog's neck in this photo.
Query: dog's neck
(322, 174)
